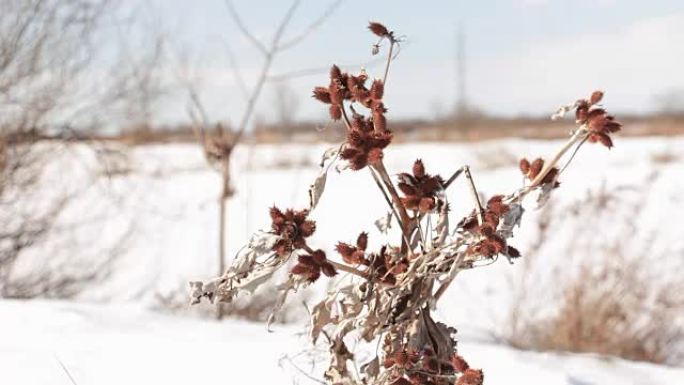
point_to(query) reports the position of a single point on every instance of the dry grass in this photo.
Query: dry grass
(615, 302)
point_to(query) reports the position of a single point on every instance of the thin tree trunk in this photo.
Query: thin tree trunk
(223, 202)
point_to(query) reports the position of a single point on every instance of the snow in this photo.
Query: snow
(125, 344)
(158, 213)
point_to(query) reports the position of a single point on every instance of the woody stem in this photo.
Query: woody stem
(405, 221)
(345, 118)
(579, 134)
(389, 60)
(378, 182)
(476, 196)
(348, 269)
(339, 266)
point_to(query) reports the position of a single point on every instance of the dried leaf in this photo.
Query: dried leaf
(385, 223)
(318, 186)
(544, 194)
(199, 290)
(372, 368)
(316, 189)
(510, 220)
(337, 372)
(284, 289)
(562, 110)
(320, 317)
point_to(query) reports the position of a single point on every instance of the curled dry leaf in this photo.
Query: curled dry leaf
(384, 223)
(317, 188)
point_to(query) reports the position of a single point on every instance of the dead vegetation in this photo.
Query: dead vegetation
(385, 298)
(617, 298)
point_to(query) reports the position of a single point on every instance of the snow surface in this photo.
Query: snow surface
(158, 211)
(124, 344)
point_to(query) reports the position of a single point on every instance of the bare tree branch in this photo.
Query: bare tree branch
(243, 28)
(311, 28)
(236, 70)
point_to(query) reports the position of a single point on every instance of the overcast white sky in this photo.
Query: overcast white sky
(523, 56)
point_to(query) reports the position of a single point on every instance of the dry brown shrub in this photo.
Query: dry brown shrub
(619, 300)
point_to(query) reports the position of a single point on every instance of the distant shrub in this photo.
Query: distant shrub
(618, 300)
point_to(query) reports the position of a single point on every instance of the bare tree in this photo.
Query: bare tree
(219, 144)
(47, 47)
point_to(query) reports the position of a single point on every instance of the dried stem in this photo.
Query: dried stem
(345, 118)
(453, 177)
(269, 54)
(476, 196)
(578, 135)
(404, 219)
(572, 156)
(389, 60)
(339, 266)
(387, 198)
(348, 269)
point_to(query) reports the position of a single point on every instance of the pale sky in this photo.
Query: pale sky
(522, 56)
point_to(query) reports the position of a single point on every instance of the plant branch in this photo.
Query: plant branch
(476, 196)
(389, 60)
(268, 61)
(579, 134)
(389, 202)
(243, 28)
(579, 145)
(311, 28)
(453, 177)
(339, 266)
(404, 219)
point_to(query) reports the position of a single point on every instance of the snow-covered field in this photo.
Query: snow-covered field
(163, 199)
(123, 344)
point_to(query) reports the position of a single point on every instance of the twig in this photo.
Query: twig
(345, 118)
(389, 60)
(236, 70)
(476, 196)
(321, 70)
(243, 29)
(579, 134)
(389, 202)
(268, 61)
(403, 215)
(453, 272)
(573, 154)
(384, 194)
(311, 28)
(348, 269)
(301, 371)
(453, 177)
(340, 266)
(66, 371)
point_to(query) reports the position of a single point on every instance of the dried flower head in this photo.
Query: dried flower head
(378, 29)
(419, 188)
(459, 363)
(471, 377)
(364, 144)
(292, 227)
(354, 255)
(532, 170)
(312, 265)
(596, 119)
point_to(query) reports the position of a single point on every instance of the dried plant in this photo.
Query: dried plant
(615, 298)
(387, 296)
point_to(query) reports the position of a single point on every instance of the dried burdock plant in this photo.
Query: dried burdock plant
(387, 296)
